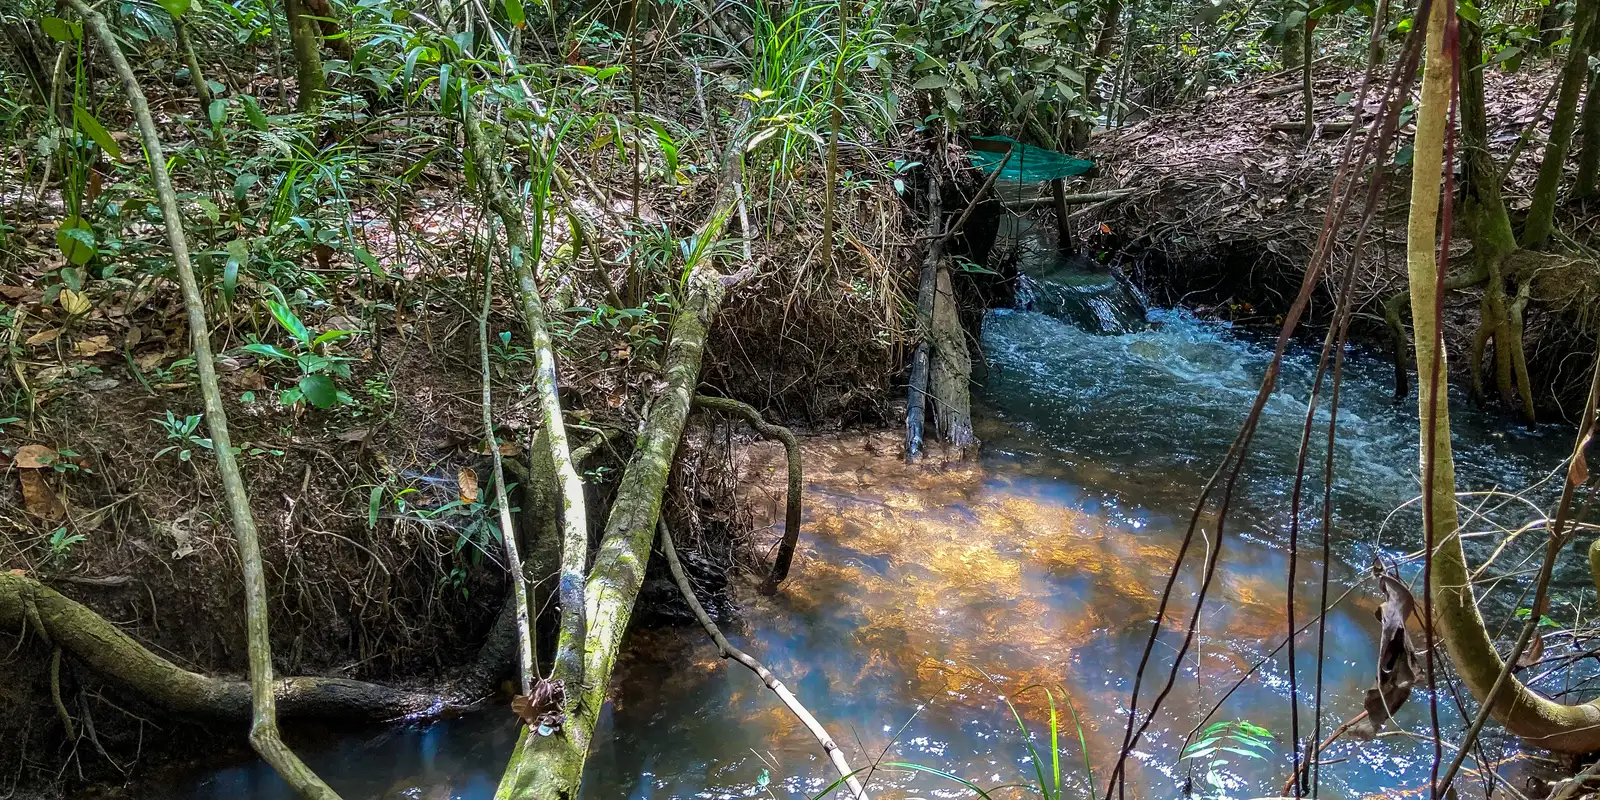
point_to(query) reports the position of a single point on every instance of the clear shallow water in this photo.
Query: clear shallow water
(924, 595)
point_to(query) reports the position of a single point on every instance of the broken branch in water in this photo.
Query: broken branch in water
(727, 650)
(791, 448)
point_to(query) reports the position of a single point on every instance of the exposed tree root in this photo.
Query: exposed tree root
(1394, 307)
(26, 604)
(835, 755)
(792, 511)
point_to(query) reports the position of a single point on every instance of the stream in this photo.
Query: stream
(925, 598)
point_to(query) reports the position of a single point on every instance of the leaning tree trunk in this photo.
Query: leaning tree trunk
(1541, 214)
(1572, 729)
(264, 735)
(1110, 21)
(551, 767)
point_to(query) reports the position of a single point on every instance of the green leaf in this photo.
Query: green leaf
(1243, 752)
(289, 321)
(217, 111)
(94, 130)
(931, 81)
(367, 260)
(238, 255)
(75, 237)
(212, 212)
(264, 349)
(374, 500)
(515, 14)
(61, 30)
(332, 336)
(176, 8)
(242, 184)
(319, 390)
(252, 112)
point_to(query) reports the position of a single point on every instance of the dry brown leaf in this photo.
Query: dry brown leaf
(13, 292)
(467, 485)
(150, 360)
(92, 346)
(1397, 660)
(43, 337)
(37, 497)
(35, 456)
(354, 435)
(1580, 470)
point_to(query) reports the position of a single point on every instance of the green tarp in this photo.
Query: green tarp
(1028, 164)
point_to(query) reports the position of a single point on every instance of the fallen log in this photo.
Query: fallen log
(727, 650)
(27, 605)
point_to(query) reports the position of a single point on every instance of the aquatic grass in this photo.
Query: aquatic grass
(1048, 786)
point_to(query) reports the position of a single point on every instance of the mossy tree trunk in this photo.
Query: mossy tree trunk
(1573, 729)
(307, 58)
(551, 767)
(1585, 185)
(1484, 211)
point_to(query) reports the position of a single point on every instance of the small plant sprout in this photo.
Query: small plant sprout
(61, 544)
(318, 366)
(182, 431)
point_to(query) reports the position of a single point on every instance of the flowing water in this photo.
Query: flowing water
(925, 598)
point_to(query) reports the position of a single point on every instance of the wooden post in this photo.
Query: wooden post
(1058, 192)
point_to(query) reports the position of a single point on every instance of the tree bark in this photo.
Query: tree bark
(202, 90)
(917, 392)
(264, 723)
(951, 369)
(1541, 214)
(1589, 137)
(1294, 40)
(551, 767)
(309, 78)
(525, 248)
(1484, 211)
(1105, 39)
(1572, 729)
